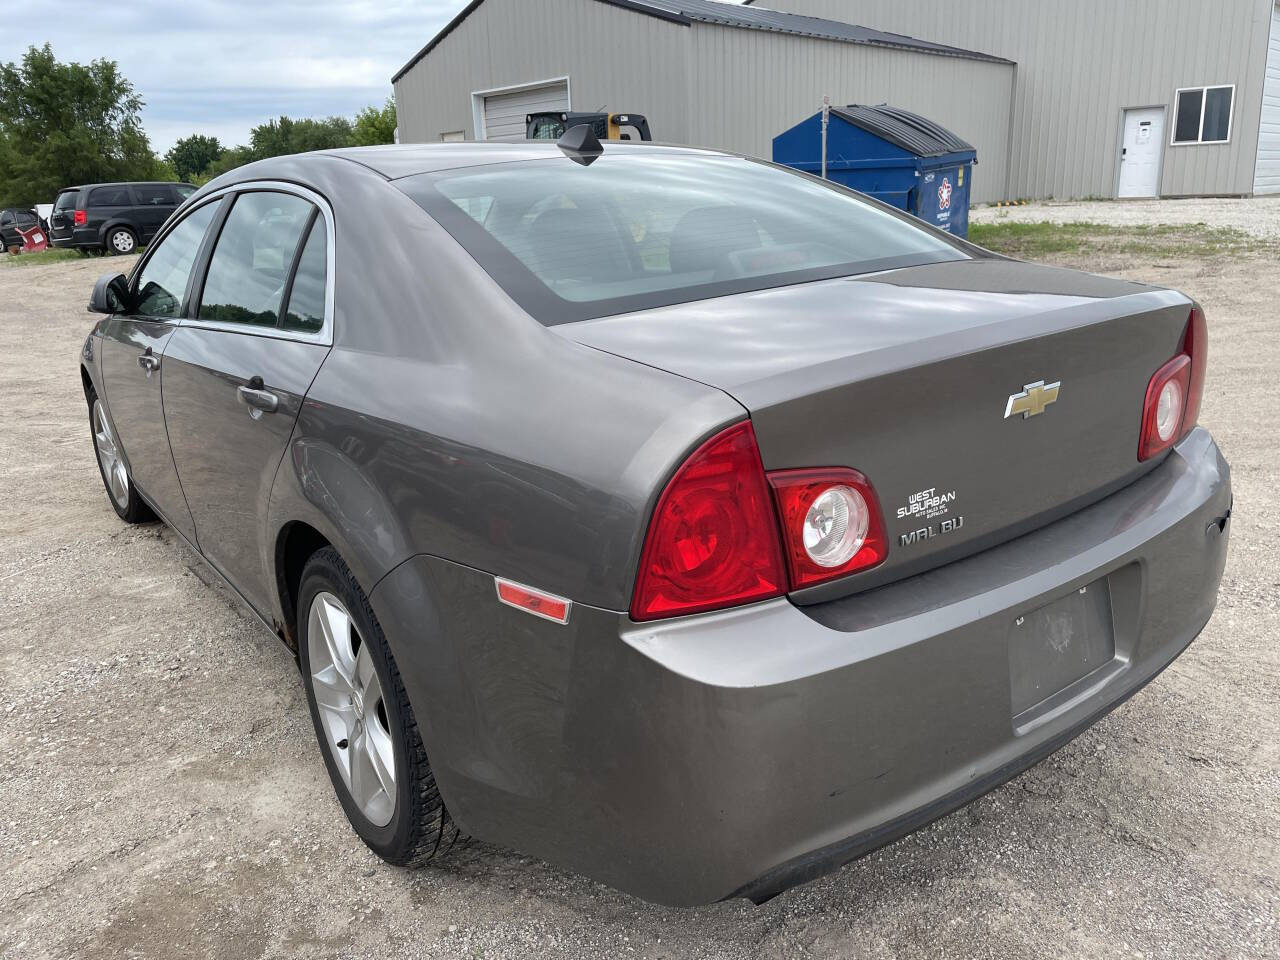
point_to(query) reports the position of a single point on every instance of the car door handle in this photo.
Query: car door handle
(149, 362)
(263, 400)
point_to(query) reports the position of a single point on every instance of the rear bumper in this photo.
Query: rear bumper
(78, 237)
(739, 753)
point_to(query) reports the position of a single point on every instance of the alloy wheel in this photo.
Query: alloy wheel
(353, 715)
(122, 241)
(113, 469)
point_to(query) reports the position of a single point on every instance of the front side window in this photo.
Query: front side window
(183, 190)
(162, 283)
(110, 197)
(638, 230)
(251, 262)
(1203, 115)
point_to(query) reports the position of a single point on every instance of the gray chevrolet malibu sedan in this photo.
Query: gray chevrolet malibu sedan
(685, 520)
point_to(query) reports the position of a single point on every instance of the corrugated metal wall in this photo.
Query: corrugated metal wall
(1080, 63)
(1266, 175)
(613, 58)
(753, 85)
(705, 85)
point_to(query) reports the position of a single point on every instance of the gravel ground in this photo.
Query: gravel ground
(1257, 217)
(162, 795)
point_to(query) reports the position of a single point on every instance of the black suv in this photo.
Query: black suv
(115, 217)
(13, 219)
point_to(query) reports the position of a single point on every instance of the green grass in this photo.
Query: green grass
(42, 256)
(52, 255)
(1051, 241)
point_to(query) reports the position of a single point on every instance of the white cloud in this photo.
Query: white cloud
(223, 66)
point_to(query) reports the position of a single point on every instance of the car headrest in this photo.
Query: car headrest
(705, 235)
(570, 243)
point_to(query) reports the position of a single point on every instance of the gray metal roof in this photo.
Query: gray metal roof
(908, 130)
(687, 12)
(775, 21)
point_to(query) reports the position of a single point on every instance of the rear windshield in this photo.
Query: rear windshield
(633, 231)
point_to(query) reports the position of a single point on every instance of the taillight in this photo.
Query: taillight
(79, 218)
(831, 523)
(1172, 404)
(713, 540)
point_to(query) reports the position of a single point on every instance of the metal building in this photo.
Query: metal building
(1090, 98)
(1116, 97)
(704, 73)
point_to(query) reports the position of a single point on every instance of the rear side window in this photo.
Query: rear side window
(118, 196)
(305, 311)
(66, 200)
(155, 194)
(163, 280)
(251, 262)
(633, 231)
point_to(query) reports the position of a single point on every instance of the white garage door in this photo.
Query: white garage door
(504, 113)
(1266, 175)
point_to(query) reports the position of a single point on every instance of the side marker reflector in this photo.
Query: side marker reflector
(545, 605)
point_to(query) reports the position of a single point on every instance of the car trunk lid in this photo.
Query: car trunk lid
(908, 375)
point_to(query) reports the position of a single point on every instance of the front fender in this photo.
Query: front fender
(90, 362)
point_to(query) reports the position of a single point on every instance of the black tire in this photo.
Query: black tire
(130, 507)
(420, 827)
(120, 241)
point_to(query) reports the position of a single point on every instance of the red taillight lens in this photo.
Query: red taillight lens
(79, 218)
(831, 522)
(1172, 404)
(713, 540)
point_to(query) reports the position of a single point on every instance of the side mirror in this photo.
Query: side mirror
(110, 294)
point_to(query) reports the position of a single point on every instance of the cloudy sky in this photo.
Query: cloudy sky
(223, 66)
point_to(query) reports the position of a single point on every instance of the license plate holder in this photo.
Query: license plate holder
(1056, 645)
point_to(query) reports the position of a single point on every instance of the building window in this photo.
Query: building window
(1203, 115)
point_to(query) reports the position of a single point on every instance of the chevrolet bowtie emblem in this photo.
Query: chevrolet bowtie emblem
(1033, 399)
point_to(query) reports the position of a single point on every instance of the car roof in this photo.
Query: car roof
(407, 159)
(126, 183)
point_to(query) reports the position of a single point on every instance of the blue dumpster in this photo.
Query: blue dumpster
(894, 155)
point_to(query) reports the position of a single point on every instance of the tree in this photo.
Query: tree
(374, 125)
(67, 123)
(231, 158)
(191, 157)
(277, 137)
(284, 135)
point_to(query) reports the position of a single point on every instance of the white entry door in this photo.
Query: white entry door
(1140, 152)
